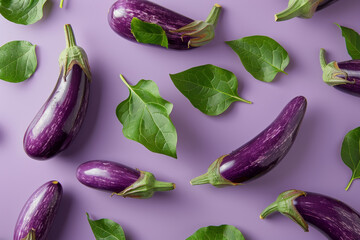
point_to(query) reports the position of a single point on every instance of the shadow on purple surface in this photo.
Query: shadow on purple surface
(92, 116)
(62, 217)
(48, 6)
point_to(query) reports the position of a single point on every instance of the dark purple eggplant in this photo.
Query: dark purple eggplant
(344, 76)
(38, 213)
(60, 118)
(333, 217)
(120, 179)
(261, 154)
(302, 9)
(182, 32)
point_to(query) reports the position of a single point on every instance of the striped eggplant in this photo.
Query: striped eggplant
(38, 213)
(182, 32)
(333, 217)
(62, 115)
(344, 76)
(120, 179)
(259, 155)
(302, 9)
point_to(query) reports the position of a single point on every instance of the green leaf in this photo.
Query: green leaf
(261, 56)
(209, 88)
(352, 40)
(17, 61)
(151, 33)
(350, 153)
(145, 117)
(223, 232)
(22, 11)
(106, 229)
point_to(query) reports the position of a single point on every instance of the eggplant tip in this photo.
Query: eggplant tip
(217, 5)
(55, 182)
(276, 18)
(174, 185)
(261, 217)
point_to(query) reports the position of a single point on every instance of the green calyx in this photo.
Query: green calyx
(285, 205)
(213, 176)
(145, 187)
(201, 32)
(73, 54)
(30, 236)
(298, 8)
(332, 74)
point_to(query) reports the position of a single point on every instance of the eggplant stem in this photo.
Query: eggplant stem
(213, 16)
(69, 34)
(61, 3)
(322, 59)
(163, 186)
(202, 179)
(269, 210)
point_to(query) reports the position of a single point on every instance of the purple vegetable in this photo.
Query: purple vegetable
(302, 9)
(182, 32)
(336, 219)
(344, 76)
(120, 179)
(261, 154)
(60, 118)
(38, 213)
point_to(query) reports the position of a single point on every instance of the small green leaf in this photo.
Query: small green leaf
(17, 61)
(352, 40)
(22, 11)
(151, 33)
(261, 56)
(145, 117)
(106, 229)
(209, 88)
(223, 232)
(350, 153)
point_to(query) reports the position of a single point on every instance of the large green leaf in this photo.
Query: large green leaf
(150, 33)
(209, 88)
(106, 229)
(261, 56)
(145, 116)
(350, 153)
(17, 61)
(22, 11)
(223, 232)
(352, 40)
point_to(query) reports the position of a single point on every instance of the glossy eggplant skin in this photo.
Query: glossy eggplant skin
(39, 211)
(352, 70)
(60, 118)
(260, 154)
(106, 175)
(265, 151)
(122, 12)
(120, 179)
(334, 218)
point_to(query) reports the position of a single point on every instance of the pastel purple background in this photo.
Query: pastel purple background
(313, 163)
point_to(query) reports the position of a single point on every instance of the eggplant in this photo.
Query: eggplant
(334, 218)
(302, 9)
(120, 179)
(344, 76)
(259, 155)
(182, 32)
(38, 213)
(60, 118)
